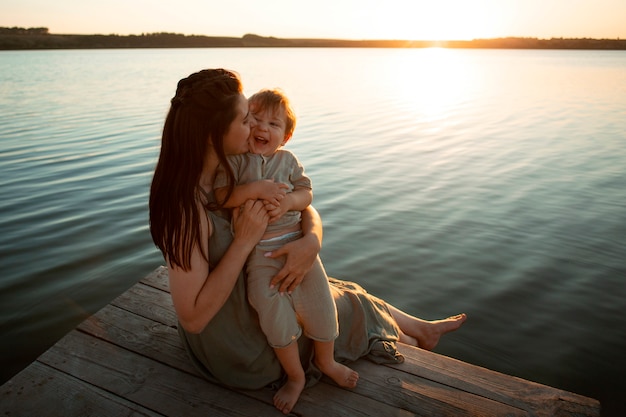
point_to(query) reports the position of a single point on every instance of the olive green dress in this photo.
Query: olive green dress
(232, 349)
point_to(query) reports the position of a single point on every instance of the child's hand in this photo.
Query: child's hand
(270, 191)
(275, 211)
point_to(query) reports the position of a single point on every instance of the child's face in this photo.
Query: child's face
(269, 133)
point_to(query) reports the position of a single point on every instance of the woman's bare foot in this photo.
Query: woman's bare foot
(287, 396)
(341, 374)
(422, 333)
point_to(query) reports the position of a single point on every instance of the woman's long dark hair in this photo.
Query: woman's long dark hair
(200, 114)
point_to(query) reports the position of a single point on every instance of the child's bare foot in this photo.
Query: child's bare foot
(287, 396)
(341, 374)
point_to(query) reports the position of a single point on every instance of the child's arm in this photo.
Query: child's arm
(266, 190)
(302, 194)
(298, 199)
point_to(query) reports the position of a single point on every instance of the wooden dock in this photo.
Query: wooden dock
(127, 360)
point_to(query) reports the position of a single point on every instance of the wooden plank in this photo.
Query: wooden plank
(424, 397)
(144, 381)
(140, 335)
(158, 279)
(148, 302)
(537, 399)
(40, 390)
(328, 400)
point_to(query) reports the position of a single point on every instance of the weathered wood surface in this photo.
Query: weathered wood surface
(127, 360)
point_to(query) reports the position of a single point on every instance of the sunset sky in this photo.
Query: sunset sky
(345, 19)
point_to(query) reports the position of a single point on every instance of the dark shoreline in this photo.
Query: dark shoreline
(39, 38)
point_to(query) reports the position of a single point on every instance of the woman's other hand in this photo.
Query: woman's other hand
(249, 222)
(299, 258)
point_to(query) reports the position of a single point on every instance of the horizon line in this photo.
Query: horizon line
(304, 38)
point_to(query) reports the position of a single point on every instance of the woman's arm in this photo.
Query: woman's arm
(199, 293)
(301, 253)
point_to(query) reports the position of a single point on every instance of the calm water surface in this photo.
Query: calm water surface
(491, 182)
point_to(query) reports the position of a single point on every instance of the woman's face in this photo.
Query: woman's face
(238, 134)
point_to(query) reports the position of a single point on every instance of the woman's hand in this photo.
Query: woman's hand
(249, 222)
(300, 254)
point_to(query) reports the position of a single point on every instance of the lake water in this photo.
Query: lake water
(491, 182)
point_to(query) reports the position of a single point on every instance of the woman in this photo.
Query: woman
(208, 120)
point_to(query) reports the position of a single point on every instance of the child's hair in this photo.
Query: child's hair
(274, 99)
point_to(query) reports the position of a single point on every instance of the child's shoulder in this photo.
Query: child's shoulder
(284, 153)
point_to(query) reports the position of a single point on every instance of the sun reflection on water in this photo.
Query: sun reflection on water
(430, 83)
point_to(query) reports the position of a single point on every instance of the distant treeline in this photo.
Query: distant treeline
(16, 38)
